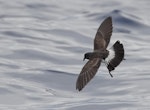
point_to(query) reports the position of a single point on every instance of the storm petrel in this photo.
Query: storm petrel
(111, 57)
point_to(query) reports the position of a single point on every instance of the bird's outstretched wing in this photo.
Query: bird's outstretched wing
(104, 33)
(87, 73)
(99, 42)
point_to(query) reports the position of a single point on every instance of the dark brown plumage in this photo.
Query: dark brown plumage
(100, 53)
(119, 55)
(103, 34)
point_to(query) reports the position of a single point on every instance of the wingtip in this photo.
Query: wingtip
(118, 41)
(78, 89)
(109, 17)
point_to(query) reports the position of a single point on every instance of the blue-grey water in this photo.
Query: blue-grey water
(42, 43)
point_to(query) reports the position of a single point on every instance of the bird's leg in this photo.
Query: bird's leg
(110, 74)
(108, 70)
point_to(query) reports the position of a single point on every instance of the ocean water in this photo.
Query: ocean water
(42, 43)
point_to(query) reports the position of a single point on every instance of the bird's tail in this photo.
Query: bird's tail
(116, 55)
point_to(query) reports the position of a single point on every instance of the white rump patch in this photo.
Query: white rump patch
(111, 55)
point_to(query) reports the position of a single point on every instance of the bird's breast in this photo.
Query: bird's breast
(99, 54)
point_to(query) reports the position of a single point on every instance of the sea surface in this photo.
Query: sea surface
(42, 44)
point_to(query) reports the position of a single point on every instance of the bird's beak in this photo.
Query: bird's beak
(83, 58)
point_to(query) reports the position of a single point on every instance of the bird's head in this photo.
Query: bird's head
(87, 56)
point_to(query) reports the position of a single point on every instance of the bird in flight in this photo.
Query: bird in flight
(111, 57)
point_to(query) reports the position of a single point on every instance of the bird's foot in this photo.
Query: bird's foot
(110, 74)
